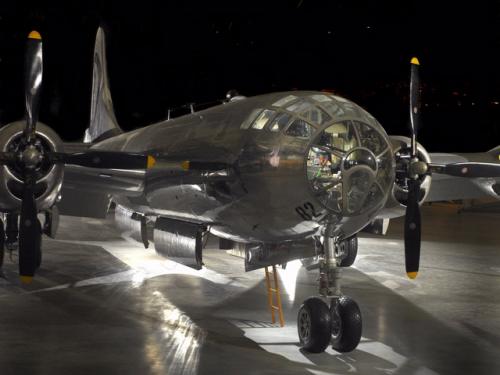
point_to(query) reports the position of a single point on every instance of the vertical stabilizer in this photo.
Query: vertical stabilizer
(103, 122)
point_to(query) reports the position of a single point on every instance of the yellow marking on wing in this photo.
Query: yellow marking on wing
(151, 162)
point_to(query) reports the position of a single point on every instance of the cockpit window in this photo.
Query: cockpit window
(360, 188)
(374, 197)
(356, 190)
(340, 136)
(333, 108)
(323, 172)
(280, 122)
(370, 138)
(360, 156)
(309, 111)
(321, 98)
(248, 121)
(300, 129)
(263, 118)
(300, 107)
(385, 169)
(340, 99)
(317, 116)
(283, 101)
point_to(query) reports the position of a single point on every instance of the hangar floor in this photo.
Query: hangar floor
(102, 304)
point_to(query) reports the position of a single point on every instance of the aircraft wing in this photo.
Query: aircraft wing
(447, 188)
(87, 191)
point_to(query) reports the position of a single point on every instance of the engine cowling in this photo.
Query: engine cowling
(49, 176)
(396, 203)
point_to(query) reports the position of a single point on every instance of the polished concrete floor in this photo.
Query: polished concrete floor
(103, 305)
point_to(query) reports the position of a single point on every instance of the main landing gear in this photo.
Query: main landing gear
(8, 237)
(338, 321)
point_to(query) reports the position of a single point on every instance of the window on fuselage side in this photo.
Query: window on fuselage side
(261, 121)
(280, 122)
(299, 129)
(249, 120)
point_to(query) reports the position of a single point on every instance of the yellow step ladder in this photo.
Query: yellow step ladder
(274, 290)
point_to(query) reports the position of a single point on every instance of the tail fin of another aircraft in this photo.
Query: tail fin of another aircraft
(103, 122)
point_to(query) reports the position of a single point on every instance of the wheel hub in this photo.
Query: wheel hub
(336, 321)
(305, 325)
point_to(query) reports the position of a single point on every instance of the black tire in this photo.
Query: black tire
(347, 324)
(314, 325)
(349, 247)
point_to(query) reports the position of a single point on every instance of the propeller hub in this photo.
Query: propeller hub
(31, 157)
(417, 168)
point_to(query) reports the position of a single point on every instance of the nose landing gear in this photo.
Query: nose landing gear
(337, 322)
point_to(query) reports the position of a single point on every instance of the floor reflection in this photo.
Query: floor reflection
(288, 278)
(173, 341)
(370, 357)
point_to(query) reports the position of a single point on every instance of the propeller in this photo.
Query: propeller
(33, 70)
(417, 169)
(412, 226)
(105, 159)
(29, 233)
(472, 170)
(412, 229)
(414, 104)
(29, 158)
(29, 226)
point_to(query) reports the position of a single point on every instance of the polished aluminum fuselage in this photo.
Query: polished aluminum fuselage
(259, 199)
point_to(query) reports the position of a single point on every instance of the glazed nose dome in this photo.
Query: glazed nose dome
(349, 167)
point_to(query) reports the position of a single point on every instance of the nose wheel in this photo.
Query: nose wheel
(339, 324)
(346, 324)
(314, 325)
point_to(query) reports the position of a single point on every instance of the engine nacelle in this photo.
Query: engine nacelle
(127, 222)
(49, 176)
(396, 203)
(133, 223)
(179, 241)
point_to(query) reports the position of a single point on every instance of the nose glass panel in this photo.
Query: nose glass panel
(360, 156)
(349, 167)
(357, 187)
(324, 174)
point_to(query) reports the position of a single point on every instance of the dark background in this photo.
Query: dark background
(170, 53)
